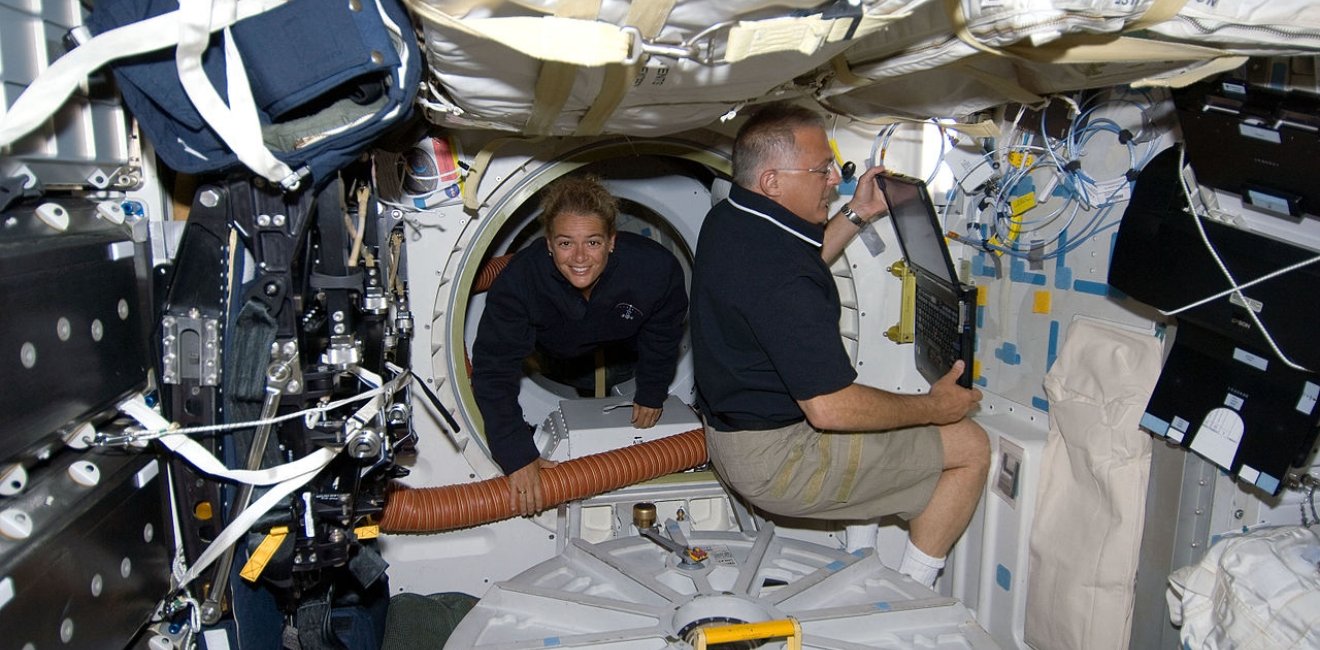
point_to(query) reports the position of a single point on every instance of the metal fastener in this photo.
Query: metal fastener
(209, 198)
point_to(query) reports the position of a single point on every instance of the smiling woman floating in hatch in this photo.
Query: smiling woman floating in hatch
(592, 289)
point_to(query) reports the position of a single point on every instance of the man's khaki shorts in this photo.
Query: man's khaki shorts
(798, 471)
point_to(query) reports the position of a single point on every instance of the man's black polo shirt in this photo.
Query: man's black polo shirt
(764, 315)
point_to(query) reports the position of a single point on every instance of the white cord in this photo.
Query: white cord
(1236, 289)
(1225, 292)
(210, 428)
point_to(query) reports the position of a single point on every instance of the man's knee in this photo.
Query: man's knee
(966, 445)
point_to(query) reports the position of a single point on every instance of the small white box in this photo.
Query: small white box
(585, 426)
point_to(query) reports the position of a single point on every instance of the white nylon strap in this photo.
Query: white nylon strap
(244, 521)
(649, 17)
(48, 91)
(555, 82)
(287, 478)
(1193, 74)
(805, 35)
(1158, 12)
(237, 124)
(590, 43)
(478, 169)
(205, 462)
(586, 43)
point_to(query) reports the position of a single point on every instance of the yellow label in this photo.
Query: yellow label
(1023, 203)
(982, 296)
(1019, 159)
(265, 550)
(367, 532)
(976, 369)
(1040, 302)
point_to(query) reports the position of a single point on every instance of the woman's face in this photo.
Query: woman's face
(580, 246)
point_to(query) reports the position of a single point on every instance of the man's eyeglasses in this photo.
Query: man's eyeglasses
(824, 170)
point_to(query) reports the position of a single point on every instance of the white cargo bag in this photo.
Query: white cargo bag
(646, 67)
(950, 58)
(1256, 591)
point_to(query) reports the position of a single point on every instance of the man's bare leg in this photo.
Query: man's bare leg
(957, 493)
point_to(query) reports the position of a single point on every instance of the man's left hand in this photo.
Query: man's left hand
(645, 417)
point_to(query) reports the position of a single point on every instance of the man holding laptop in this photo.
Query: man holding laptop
(787, 427)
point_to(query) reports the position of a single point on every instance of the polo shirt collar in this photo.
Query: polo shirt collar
(763, 207)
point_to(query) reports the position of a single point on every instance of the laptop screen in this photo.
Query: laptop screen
(918, 230)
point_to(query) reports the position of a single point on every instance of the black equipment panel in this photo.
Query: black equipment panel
(97, 558)
(1223, 392)
(71, 339)
(1255, 142)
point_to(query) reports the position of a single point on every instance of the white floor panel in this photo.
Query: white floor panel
(630, 592)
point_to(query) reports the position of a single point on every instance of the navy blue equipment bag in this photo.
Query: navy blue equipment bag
(326, 77)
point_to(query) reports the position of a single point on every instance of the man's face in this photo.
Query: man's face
(807, 182)
(580, 246)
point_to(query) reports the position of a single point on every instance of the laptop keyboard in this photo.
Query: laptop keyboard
(937, 323)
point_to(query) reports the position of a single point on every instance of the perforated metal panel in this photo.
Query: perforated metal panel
(87, 143)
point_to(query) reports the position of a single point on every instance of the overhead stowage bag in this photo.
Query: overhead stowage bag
(290, 90)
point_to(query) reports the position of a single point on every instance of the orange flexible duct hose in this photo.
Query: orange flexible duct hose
(490, 270)
(434, 509)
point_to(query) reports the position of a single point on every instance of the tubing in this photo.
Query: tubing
(435, 509)
(486, 275)
(490, 270)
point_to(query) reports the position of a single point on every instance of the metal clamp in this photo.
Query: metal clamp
(700, 47)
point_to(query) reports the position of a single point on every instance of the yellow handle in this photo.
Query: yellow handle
(788, 628)
(905, 330)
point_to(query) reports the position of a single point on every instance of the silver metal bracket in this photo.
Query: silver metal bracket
(190, 349)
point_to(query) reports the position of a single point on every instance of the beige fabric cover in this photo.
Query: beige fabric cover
(1091, 503)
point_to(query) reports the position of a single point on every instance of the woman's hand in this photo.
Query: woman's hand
(525, 494)
(645, 417)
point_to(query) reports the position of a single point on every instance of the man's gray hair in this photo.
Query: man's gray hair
(766, 138)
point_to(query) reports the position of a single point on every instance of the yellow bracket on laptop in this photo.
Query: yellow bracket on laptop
(905, 330)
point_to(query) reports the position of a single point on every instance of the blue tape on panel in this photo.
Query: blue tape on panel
(1018, 273)
(1154, 425)
(1008, 353)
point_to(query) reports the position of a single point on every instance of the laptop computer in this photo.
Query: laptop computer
(945, 327)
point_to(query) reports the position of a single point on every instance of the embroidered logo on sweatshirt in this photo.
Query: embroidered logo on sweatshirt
(627, 311)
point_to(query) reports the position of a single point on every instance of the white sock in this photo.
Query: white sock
(860, 536)
(919, 566)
